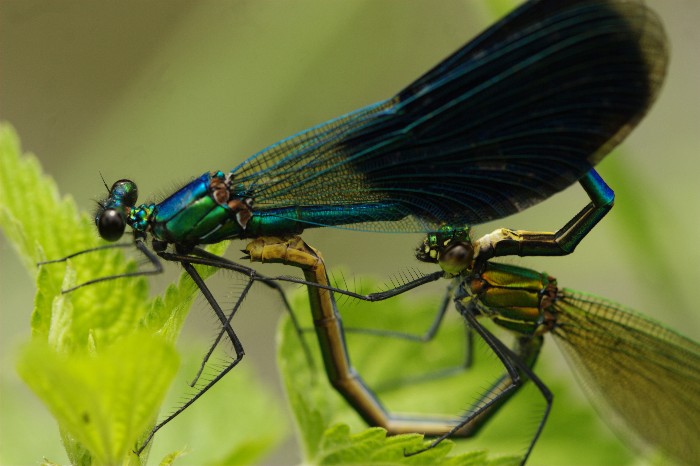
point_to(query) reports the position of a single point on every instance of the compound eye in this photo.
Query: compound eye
(456, 258)
(111, 224)
(126, 191)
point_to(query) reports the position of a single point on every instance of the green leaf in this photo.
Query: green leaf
(372, 446)
(104, 401)
(170, 458)
(40, 225)
(96, 350)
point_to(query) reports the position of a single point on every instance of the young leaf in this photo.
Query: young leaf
(107, 400)
(101, 356)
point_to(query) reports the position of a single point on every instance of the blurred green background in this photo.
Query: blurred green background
(160, 92)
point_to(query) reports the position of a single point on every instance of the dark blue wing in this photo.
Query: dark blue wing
(516, 115)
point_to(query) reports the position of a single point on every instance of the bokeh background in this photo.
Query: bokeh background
(160, 92)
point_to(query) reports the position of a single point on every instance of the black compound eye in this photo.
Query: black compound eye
(126, 191)
(111, 224)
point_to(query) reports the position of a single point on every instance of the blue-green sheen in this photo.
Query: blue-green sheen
(517, 114)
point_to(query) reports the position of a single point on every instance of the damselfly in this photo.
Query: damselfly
(634, 368)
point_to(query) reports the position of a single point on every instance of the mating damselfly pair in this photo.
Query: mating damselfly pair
(518, 114)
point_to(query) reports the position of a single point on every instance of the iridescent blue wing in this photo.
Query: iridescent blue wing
(516, 115)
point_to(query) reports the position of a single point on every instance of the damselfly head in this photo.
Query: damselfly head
(111, 216)
(450, 247)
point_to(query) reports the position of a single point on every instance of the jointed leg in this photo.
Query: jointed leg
(201, 257)
(505, 242)
(138, 244)
(226, 325)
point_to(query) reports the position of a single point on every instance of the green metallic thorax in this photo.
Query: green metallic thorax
(212, 208)
(199, 213)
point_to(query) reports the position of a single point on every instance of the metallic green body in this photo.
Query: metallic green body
(193, 215)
